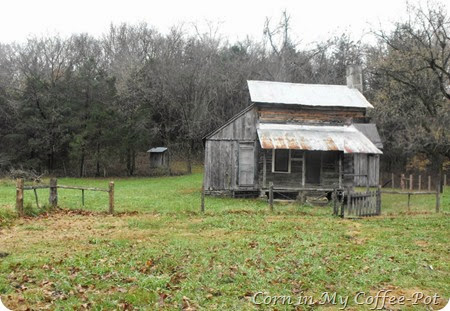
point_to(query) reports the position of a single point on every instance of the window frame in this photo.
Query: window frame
(273, 162)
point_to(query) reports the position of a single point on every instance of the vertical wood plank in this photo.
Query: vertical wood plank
(334, 202)
(202, 206)
(392, 179)
(402, 181)
(420, 182)
(409, 201)
(379, 201)
(82, 197)
(368, 173)
(340, 170)
(429, 183)
(19, 197)
(349, 205)
(264, 167)
(111, 197)
(411, 184)
(53, 196)
(271, 196)
(303, 169)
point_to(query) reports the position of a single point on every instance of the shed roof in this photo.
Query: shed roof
(157, 149)
(306, 94)
(371, 132)
(307, 137)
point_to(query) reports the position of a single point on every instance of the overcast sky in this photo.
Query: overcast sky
(311, 20)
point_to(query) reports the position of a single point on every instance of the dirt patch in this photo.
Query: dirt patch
(354, 234)
(189, 190)
(65, 230)
(421, 243)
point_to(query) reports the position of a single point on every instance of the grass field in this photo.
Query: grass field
(159, 252)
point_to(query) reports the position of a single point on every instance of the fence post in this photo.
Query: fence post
(111, 197)
(378, 201)
(429, 183)
(82, 197)
(335, 212)
(202, 206)
(438, 193)
(392, 178)
(409, 199)
(411, 186)
(53, 196)
(271, 196)
(349, 202)
(420, 182)
(19, 197)
(402, 181)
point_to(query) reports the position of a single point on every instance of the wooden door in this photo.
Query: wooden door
(246, 164)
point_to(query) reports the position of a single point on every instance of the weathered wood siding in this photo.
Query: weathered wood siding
(280, 180)
(241, 128)
(222, 153)
(302, 115)
(366, 164)
(159, 159)
(348, 170)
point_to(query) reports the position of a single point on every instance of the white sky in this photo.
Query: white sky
(311, 20)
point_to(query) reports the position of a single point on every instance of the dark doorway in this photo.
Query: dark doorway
(313, 167)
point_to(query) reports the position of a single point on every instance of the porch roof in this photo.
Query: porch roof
(315, 137)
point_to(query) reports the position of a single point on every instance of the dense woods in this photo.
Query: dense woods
(86, 106)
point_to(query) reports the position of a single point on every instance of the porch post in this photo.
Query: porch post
(303, 169)
(368, 173)
(264, 167)
(340, 170)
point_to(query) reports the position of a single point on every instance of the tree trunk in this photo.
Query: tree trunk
(131, 161)
(51, 159)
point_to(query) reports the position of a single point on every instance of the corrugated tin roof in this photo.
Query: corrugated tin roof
(157, 149)
(371, 132)
(306, 94)
(307, 137)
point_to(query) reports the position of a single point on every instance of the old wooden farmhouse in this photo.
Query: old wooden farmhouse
(298, 137)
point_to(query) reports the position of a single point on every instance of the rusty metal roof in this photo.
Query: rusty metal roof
(315, 137)
(306, 94)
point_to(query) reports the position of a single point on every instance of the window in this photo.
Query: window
(281, 161)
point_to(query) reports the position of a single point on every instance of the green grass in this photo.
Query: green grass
(170, 256)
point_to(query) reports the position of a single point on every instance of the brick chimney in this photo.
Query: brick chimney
(354, 77)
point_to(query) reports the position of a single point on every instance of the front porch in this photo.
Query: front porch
(297, 173)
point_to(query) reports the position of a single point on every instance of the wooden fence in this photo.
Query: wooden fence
(413, 182)
(53, 193)
(357, 204)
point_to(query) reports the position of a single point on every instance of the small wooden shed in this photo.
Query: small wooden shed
(159, 157)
